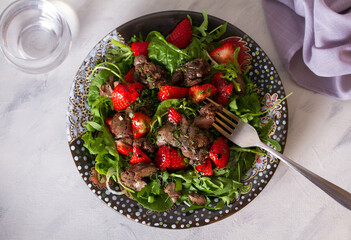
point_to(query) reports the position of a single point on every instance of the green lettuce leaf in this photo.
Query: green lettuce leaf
(165, 54)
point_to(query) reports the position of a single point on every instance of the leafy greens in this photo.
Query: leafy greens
(225, 182)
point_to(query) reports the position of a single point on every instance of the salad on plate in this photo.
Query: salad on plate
(151, 130)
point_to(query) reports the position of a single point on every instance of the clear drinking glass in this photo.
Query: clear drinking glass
(34, 36)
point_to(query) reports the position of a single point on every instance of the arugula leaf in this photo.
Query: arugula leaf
(121, 56)
(203, 40)
(136, 38)
(246, 106)
(203, 35)
(196, 50)
(219, 31)
(202, 28)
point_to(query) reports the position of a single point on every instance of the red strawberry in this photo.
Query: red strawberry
(129, 77)
(205, 168)
(174, 116)
(108, 122)
(181, 35)
(140, 124)
(140, 48)
(224, 53)
(123, 147)
(171, 92)
(198, 93)
(219, 152)
(139, 157)
(169, 158)
(160, 160)
(177, 161)
(224, 88)
(125, 94)
(244, 58)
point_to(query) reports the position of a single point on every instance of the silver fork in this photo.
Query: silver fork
(244, 135)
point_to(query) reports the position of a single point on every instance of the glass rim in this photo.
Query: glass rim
(42, 64)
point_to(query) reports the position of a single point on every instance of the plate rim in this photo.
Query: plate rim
(210, 17)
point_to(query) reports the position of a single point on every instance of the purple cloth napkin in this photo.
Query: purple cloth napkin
(313, 39)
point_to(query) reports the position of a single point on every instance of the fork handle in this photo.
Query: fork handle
(340, 195)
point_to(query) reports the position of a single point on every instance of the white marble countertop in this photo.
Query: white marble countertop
(42, 195)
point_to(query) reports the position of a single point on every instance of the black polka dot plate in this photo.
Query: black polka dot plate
(263, 73)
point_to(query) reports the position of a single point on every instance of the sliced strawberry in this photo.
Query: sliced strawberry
(174, 116)
(224, 53)
(140, 124)
(205, 168)
(198, 93)
(140, 48)
(161, 161)
(182, 35)
(125, 94)
(244, 58)
(129, 77)
(169, 158)
(171, 92)
(139, 157)
(219, 152)
(123, 147)
(224, 88)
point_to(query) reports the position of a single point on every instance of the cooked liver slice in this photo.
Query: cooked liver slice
(133, 176)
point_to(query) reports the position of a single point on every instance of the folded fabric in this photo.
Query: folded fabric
(313, 39)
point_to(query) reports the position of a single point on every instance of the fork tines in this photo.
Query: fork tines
(223, 122)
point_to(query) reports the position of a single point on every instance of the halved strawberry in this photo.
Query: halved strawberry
(171, 92)
(140, 124)
(125, 94)
(169, 158)
(198, 93)
(182, 35)
(205, 168)
(140, 48)
(123, 147)
(173, 116)
(219, 152)
(224, 53)
(244, 58)
(139, 157)
(224, 88)
(129, 77)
